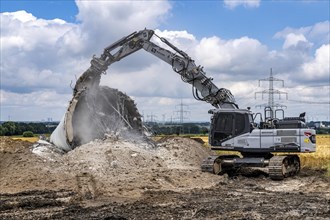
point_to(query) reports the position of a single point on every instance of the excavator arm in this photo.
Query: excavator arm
(203, 87)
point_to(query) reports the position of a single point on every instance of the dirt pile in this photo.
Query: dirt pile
(182, 153)
(9, 145)
(112, 166)
(123, 168)
(137, 179)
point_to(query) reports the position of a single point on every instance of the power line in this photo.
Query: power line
(310, 86)
(151, 118)
(309, 102)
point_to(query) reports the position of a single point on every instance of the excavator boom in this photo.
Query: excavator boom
(204, 88)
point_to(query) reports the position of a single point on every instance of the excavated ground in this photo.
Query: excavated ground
(118, 179)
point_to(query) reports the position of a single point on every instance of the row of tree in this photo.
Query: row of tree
(10, 128)
(170, 129)
(18, 128)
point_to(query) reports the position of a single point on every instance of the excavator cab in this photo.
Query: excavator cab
(227, 124)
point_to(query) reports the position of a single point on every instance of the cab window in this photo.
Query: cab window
(239, 124)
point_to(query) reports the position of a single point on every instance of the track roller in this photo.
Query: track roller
(209, 165)
(218, 164)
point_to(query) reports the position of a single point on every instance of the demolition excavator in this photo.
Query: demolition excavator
(232, 129)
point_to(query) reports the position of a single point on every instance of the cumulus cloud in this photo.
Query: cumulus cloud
(318, 33)
(228, 56)
(33, 106)
(40, 58)
(308, 51)
(124, 15)
(246, 3)
(158, 79)
(296, 41)
(319, 67)
(107, 21)
(25, 32)
(177, 38)
(29, 52)
(45, 98)
(39, 55)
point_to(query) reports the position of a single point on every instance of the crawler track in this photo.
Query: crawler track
(208, 164)
(283, 166)
(279, 167)
(276, 168)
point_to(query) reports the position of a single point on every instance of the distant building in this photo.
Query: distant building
(319, 124)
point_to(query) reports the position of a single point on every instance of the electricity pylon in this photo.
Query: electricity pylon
(271, 91)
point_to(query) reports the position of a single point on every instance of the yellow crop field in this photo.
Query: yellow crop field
(321, 158)
(29, 139)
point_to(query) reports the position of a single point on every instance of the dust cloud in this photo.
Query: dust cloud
(95, 112)
(103, 111)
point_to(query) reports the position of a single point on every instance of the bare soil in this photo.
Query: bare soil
(119, 179)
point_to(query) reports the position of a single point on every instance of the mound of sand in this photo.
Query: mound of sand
(9, 145)
(110, 167)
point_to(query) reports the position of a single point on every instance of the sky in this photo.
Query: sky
(46, 45)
